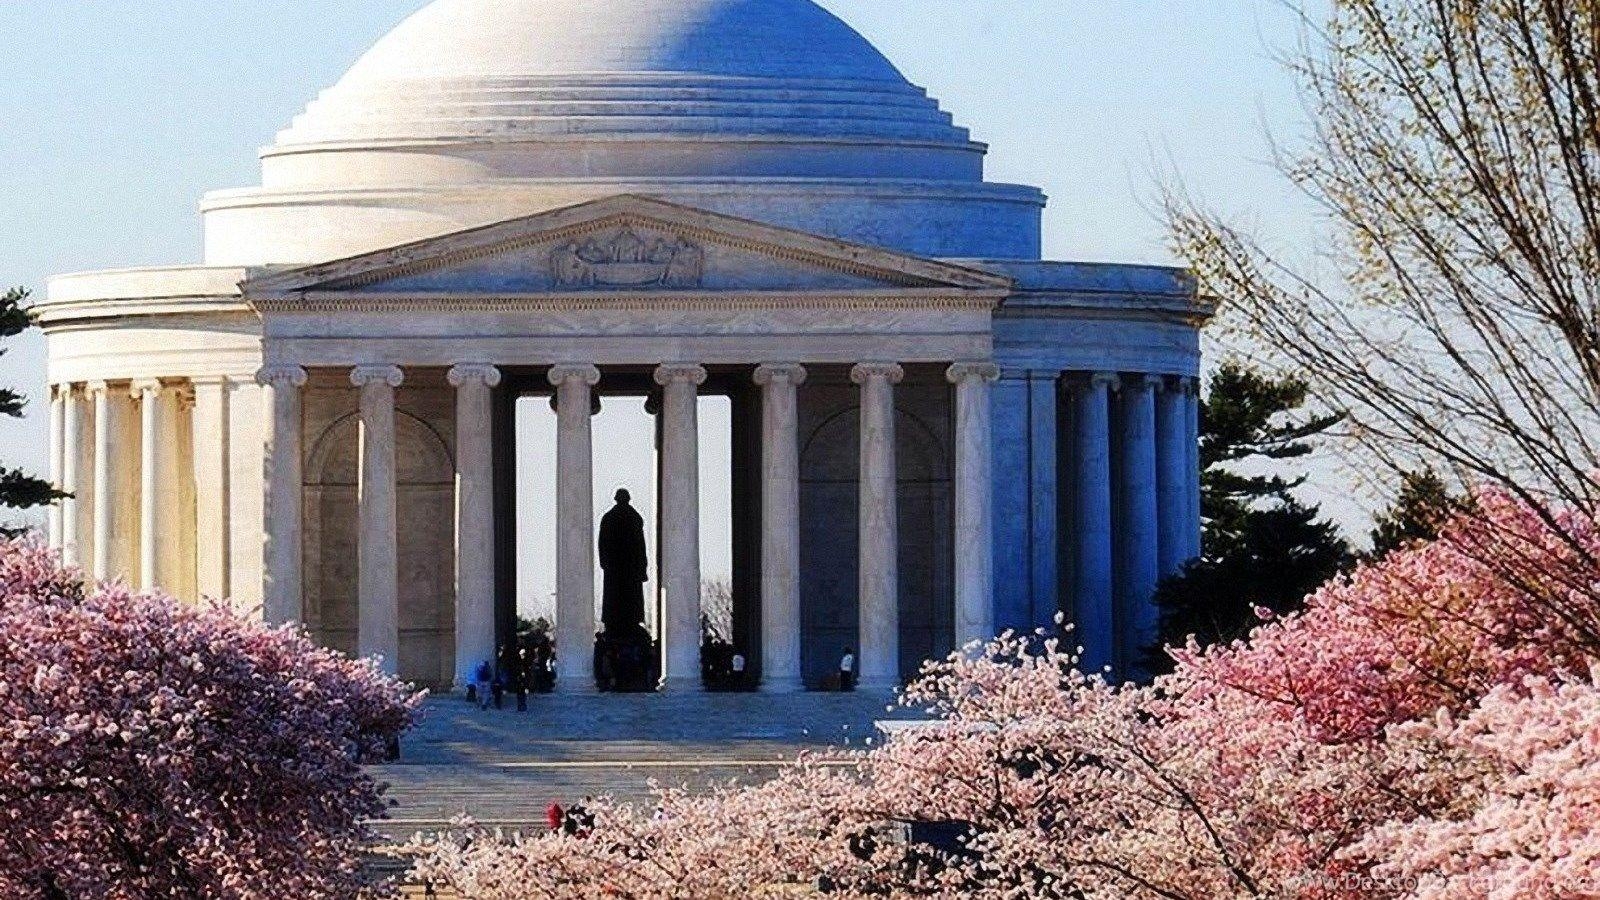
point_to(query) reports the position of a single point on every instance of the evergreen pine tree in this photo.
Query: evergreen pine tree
(1424, 503)
(1261, 546)
(18, 490)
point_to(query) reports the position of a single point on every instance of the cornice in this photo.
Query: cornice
(51, 315)
(1126, 309)
(765, 185)
(596, 301)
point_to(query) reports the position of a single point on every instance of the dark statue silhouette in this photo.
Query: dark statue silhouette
(622, 558)
(624, 652)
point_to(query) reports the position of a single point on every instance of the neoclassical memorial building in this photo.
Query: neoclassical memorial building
(936, 434)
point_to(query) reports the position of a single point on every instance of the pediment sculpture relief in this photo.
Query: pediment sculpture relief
(627, 260)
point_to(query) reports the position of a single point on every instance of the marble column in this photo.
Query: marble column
(211, 447)
(72, 481)
(1192, 443)
(475, 635)
(1013, 559)
(680, 523)
(157, 495)
(878, 657)
(99, 393)
(180, 557)
(1093, 593)
(252, 411)
(974, 489)
(575, 619)
(780, 527)
(1172, 465)
(58, 450)
(378, 576)
(116, 483)
(1141, 537)
(1044, 408)
(284, 486)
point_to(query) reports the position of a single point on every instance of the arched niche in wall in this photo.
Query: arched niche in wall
(829, 540)
(425, 501)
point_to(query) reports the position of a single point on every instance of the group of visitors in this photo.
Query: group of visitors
(723, 666)
(524, 666)
(528, 666)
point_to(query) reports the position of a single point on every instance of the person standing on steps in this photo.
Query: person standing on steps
(847, 670)
(484, 683)
(517, 661)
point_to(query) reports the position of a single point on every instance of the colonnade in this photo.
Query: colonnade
(124, 453)
(574, 384)
(1135, 504)
(148, 466)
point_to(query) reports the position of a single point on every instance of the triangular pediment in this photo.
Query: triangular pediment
(623, 244)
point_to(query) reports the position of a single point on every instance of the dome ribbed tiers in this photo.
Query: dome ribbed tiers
(477, 111)
(546, 69)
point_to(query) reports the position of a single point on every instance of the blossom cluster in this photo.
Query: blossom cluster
(154, 749)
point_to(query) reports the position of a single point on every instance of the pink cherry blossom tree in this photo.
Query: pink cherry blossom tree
(151, 749)
(1426, 728)
(1525, 783)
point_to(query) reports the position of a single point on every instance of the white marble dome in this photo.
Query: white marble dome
(513, 39)
(625, 68)
(473, 111)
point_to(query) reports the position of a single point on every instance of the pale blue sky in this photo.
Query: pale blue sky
(117, 116)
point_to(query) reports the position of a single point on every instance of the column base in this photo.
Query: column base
(881, 688)
(788, 685)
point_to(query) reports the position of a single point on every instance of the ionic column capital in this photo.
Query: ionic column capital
(282, 376)
(986, 372)
(474, 373)
(96, 388)
(779, 373)
(566, 372)
(892, 372)
(142, 386)
(1181, 385)
(1097, 380)
(361, 376)
(1145, 382)
(680, 373)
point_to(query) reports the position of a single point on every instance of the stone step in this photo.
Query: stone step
(505, 768)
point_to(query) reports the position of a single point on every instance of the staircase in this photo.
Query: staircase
(503, 767)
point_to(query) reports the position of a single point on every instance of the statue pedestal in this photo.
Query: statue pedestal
(628, 664)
